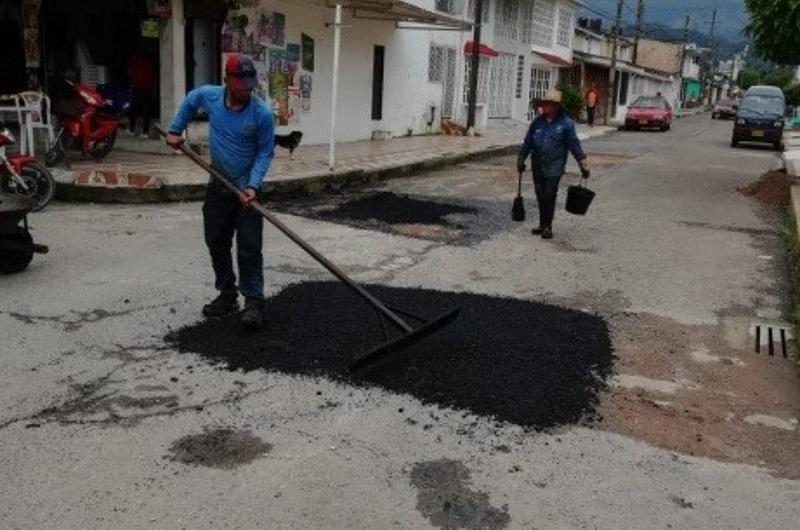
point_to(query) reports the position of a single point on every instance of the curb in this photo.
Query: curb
(69, 192)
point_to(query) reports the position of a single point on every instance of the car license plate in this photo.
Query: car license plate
(757, 133)
(642, 122)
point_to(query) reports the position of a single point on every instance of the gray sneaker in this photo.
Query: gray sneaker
(253, 314)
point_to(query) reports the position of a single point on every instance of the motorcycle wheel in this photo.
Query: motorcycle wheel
(40, 182)
(16, 260)
(103, 147)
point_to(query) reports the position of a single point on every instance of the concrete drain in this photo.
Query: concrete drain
(771, 338)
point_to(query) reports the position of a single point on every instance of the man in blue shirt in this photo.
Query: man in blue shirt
(550, 137)
(241, 141)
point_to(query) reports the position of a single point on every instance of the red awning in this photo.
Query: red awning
(553, 59)
(482, 49)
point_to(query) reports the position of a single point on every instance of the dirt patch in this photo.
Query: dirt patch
(219, 448)
(694, 390)
(607, 159)
(528, 363)
(772, 189)
(444, 498)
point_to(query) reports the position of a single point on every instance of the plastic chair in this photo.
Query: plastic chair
(37, 116)
(12, 103)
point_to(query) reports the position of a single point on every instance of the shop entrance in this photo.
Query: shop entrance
(12, 52)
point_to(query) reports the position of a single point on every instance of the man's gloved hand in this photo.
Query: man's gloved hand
(521, 165)
(584, 169)
(174, 140)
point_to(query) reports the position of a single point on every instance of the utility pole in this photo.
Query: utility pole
(612, 72)
(683, 59)
(475, 62)
(638, 34)
(713, 57)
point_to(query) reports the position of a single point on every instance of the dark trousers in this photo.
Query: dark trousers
(223, 216)
(546, 194)
(590, 114)
(142, 106)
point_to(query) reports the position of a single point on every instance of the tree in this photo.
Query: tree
(777, 77)
(571, 100)
(775, 29)
(748, 78)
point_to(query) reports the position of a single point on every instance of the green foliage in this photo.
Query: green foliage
(775, 29)
(748, 78)
(792, 93)
(778, 77)
(571, 100)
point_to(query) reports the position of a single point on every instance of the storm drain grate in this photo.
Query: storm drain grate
(771, 339)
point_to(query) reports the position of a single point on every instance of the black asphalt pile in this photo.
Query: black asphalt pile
(528, 363)
(394, 209)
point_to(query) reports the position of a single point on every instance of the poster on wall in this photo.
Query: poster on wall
(306, 85)
(295, 103)
(307, 44)
(239, 35)
(293, 53)
(279, 95)
(278, 29)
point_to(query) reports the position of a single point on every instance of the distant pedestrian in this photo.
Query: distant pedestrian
(242, 143)
(591, 98)
(142, 80)
(550, 137)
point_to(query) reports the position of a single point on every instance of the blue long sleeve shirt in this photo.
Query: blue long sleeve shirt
(241, 141)
(548, 144)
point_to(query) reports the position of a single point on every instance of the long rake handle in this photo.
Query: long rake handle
(322, 260)
(519, 186)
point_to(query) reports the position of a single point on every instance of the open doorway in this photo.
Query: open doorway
(12, 54)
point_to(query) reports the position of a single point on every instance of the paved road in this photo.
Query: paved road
(697, 432)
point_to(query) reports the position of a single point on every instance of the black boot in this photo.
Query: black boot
(536, 231)
(547, 233)
(253, 314)
(224, 304)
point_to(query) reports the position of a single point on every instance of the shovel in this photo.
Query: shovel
(409, 335)
(518, 209)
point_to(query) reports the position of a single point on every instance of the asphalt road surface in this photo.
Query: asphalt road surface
(105, 423)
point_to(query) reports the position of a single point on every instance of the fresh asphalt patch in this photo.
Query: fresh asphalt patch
(453, 221)
(528, 363)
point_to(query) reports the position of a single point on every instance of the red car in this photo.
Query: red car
(724, 109)
(649, 112)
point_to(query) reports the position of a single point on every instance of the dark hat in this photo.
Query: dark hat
(241, 72)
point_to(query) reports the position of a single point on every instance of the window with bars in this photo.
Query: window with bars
(526, 21)
(565, 29)
(506, 15)
(435, 63)
(544, 12)
(483, 70)
(540, 83)
(471, 10)
(520, 76)
(453, 7)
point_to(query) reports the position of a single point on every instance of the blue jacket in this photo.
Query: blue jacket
(548, 144)
(241, 142)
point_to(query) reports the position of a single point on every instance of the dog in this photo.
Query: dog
(289, 141)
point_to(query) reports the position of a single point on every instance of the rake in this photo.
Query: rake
(409, 334)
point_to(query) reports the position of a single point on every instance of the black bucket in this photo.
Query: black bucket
(578, 199)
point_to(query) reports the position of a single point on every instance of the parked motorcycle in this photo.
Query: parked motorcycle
(84, 126)
(23, 175)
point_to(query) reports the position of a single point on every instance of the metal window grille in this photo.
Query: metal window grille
(453, 7)
(543, 20)
(565, 28)
(540, 83)
(435, 63)
(501, 85)
(506, 15)
(520, 76)
(526, 21)
(483, 69)
(471, 10)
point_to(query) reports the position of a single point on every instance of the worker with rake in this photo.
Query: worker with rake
(241, 141)
(550, 138)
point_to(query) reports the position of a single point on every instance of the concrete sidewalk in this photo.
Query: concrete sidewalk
(136, 177)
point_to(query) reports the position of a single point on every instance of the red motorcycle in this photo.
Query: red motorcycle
(22, 175)
(83, 126)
